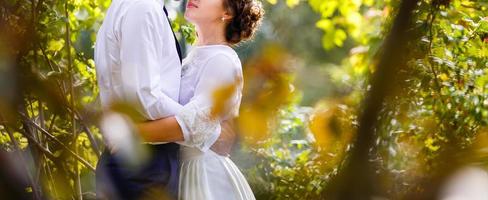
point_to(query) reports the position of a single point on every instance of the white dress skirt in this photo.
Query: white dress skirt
(211, 176)
(205, 175)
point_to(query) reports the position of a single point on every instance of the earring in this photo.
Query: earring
(223, 18)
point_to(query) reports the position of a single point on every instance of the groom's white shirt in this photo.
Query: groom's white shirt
(137, 61)
(136, 58)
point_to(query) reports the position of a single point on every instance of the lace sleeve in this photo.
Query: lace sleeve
(199, 128)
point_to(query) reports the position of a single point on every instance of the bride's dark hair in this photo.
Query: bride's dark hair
(247, 15)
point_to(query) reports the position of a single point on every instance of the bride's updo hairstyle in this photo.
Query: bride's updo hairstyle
(247, 15)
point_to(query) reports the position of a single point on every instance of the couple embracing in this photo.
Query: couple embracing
(138, 59)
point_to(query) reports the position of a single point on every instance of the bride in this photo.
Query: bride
(211, 65)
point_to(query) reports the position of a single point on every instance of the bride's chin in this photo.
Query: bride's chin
(190, 14)
(187, 16)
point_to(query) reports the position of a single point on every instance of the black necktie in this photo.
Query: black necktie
(176, 40)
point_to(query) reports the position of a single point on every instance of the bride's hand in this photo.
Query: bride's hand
(228, 135)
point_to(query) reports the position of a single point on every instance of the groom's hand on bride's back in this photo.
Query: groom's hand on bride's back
(228, 135)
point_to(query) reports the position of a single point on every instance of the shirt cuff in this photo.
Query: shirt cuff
(184, 129)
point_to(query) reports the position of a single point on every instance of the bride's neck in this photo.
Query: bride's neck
(210, 34)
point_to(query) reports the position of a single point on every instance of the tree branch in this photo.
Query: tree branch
(52, 137)
(357, 180)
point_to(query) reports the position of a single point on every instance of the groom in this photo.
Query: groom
(138, 59)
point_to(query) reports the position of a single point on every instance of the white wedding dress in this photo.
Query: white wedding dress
(207, 175)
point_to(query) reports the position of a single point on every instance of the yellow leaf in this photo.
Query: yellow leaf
(292, 3)
(330, 125)
(273, 1)
(324, 24)
(55, 45)
(253, 125)
(429, 143)
(221, 97)
(268, 87)
(444, 77)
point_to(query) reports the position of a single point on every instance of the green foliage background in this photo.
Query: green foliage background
(49, 109)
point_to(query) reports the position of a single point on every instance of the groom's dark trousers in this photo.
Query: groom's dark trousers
(157, 179)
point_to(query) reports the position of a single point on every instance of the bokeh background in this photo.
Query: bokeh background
(344, 99)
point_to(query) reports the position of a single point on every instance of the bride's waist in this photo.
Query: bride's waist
(189, 153)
